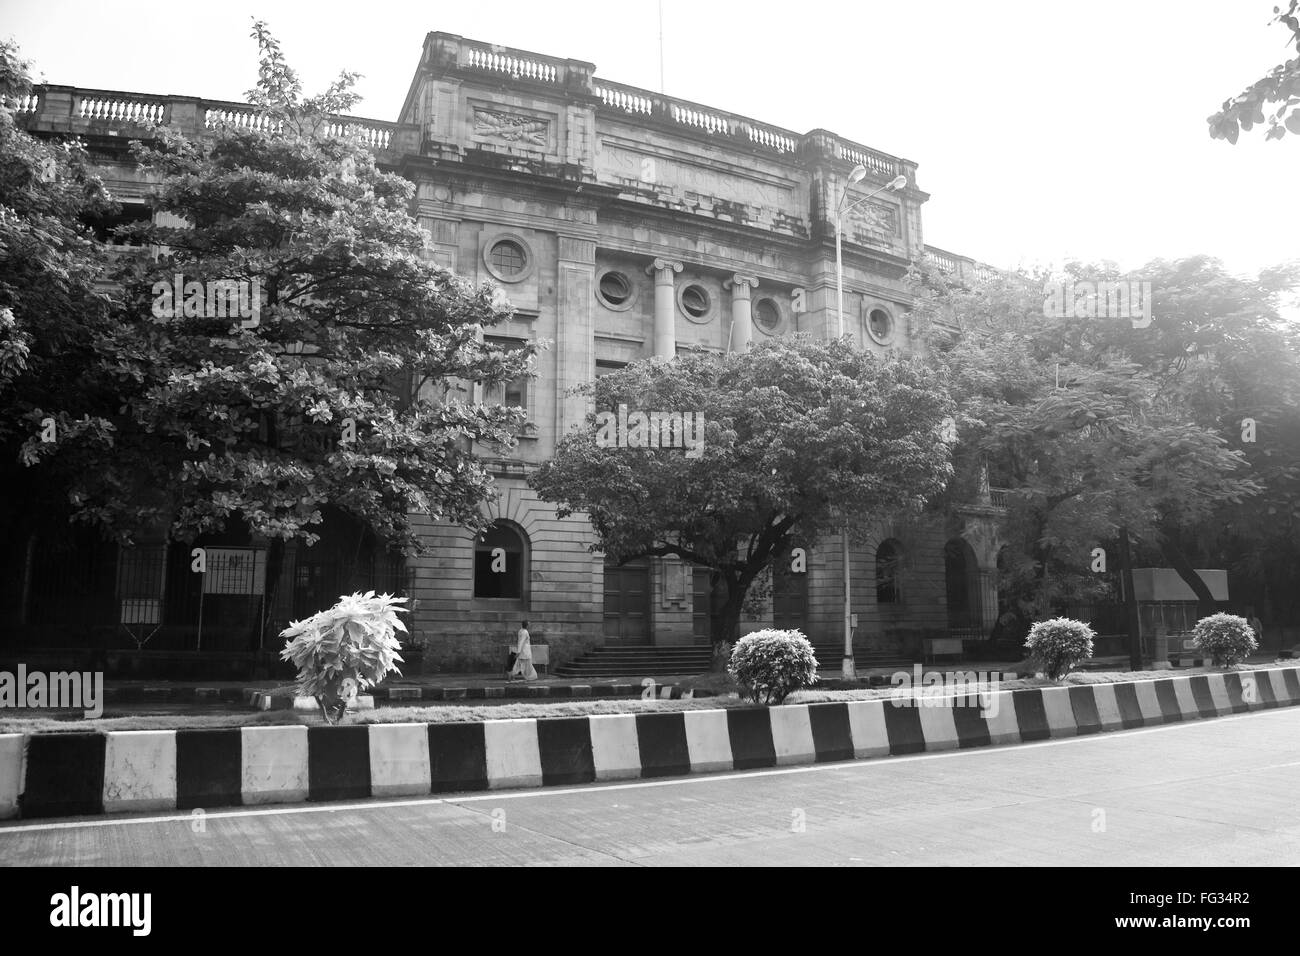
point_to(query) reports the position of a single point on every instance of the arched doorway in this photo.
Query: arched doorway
(961, 584)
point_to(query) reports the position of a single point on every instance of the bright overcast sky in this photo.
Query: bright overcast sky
(1044, 130)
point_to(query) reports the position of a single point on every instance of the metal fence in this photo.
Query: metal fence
(168, 598)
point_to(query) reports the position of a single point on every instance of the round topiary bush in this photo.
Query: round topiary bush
(1224, 638)
(1059, 644)
(769, 665)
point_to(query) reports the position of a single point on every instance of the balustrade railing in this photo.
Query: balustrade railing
(959, 267)
(239, 118)
(638, 102)
(772, 139)
(121, 108)
(23, 102)
(878, 163)
(513, 63)
(941, 261)
(629, 101)
(76, 107)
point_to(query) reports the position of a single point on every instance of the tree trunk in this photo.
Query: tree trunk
(275, 555)
(332, 708)
(1132, 621)
(725, 625)
(274, 571)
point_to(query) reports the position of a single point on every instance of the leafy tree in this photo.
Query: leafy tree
(52, 303)
(800, 438)
(1279, 88)
(1222, 352)
(1085, 437)
(334, 385)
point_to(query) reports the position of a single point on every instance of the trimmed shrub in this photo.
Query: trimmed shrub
(345, 650)
(1224, 638)
(769, 665)
(1059, 644)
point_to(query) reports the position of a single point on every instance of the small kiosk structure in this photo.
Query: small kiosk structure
(1167, 611)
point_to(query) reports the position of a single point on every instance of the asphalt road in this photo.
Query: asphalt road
(1217, 792)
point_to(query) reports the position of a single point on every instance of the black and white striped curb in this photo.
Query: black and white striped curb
(59, 774)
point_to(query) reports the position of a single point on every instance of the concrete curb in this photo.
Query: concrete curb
(51, 775)
(167, 693)
(264, 700)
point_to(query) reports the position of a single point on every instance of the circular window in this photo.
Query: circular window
(508, 259)
(767, 315)
(615, 290)
(696, 302)
(880, 326)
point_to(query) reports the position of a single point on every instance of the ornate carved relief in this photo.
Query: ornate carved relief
(874, 220)
(512, 128)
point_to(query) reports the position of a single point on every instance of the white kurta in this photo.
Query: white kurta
(524, 657)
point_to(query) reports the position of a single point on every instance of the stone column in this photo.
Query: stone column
(742, 317)
(665, 307)
(988, 589)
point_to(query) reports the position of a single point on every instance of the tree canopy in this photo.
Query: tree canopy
(334, 383)
(1097, 422)
(799, 437)
(52, 302)
(1278, 90)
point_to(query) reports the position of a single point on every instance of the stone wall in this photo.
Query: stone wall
(563, 588)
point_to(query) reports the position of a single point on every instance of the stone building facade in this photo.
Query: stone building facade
(621, 225)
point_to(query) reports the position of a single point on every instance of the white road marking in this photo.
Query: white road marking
(874, 763)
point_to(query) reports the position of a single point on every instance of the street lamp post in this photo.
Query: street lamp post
(849, 671)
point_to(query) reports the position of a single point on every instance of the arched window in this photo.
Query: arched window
(500, 562)
(889, 563)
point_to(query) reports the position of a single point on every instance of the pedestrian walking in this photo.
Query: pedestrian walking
(1256, 624)
(523, 668)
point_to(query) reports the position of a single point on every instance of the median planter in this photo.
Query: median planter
(345, 650)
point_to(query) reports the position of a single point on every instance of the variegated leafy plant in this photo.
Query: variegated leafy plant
(345, 650)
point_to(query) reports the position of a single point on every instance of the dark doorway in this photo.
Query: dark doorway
(627, 602)
(961, 583)
(789, 596)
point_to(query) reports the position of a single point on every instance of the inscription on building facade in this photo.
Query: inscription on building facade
(682, 178)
